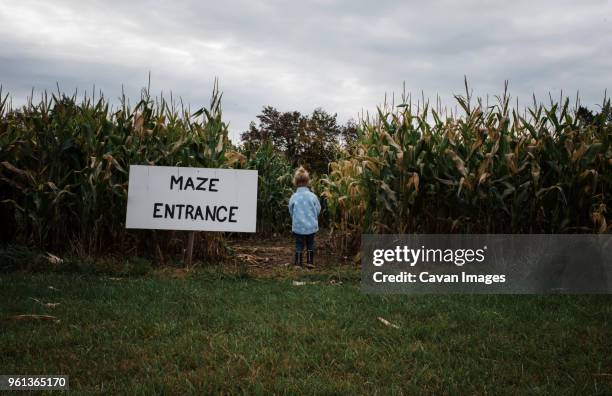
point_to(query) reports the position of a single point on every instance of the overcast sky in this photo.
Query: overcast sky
(340, 55)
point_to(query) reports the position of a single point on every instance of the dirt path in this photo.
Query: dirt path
(278, 252)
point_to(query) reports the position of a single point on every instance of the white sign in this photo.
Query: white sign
(176, 198)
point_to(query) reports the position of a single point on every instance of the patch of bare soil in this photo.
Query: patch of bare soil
(270, 254)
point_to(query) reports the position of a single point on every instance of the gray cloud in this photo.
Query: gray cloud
(340, 55)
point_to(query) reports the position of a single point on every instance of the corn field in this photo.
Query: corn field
(274, 187)
(490, 170)
(64, 167)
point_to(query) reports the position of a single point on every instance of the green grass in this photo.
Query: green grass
(210, 333)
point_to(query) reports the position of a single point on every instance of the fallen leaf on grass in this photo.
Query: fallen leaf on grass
(302, 283)
(387, 323)
(33, 317)
(415, 346)
(48, 305)
(53, 259)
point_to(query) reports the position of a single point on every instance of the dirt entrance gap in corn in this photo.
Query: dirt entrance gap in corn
(267, 254)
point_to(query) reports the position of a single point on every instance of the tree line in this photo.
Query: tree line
(311, 140)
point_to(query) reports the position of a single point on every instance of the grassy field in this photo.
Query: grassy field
(210, 333)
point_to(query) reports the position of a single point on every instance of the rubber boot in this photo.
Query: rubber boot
(310, 259)
(298, 259)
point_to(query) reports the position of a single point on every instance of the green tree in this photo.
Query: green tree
(309, 140)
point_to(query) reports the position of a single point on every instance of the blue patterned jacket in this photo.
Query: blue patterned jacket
(304, 208)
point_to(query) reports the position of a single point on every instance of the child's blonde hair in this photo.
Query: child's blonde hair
(301, 178)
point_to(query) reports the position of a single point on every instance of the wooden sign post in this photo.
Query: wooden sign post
(190, 240)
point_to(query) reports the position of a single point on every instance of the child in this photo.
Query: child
(304, 208)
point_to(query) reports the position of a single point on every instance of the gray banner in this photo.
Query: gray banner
(487, 263)
(34, 382)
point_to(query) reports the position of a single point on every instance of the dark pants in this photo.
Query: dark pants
(301, 241)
